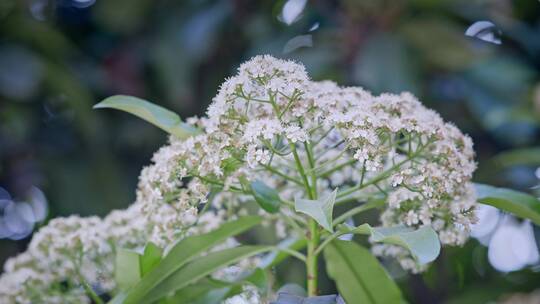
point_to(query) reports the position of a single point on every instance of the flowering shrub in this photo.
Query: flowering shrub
(295, 149)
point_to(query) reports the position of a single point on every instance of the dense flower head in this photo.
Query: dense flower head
(65, 253)
(73, 250)
(263, 120)
(364, 145)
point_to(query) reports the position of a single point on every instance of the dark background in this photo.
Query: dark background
(58, 58)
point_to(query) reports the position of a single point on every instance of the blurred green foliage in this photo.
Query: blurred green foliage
(59, 57)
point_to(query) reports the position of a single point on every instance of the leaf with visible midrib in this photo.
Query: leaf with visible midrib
(154, 114)
(200, 268)
(320, 210)
(183, 252)
(518, 203)
(422, 243)
(358, 275)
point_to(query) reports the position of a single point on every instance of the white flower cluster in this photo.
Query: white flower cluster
(72, 251)
(262, 122)
(271, 112)
(67, 252)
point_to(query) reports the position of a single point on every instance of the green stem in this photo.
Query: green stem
(294, 253)
(88, 289)
(286, 177)
(301, 171)
(312, 265)
(313, 234)
(343, 218)
(311, 260)
(330, 238)
(381, 176)
(311, 161)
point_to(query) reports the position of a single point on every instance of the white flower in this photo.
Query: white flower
(261, 122)
(411, 218)
(295, 134)
(256, 156)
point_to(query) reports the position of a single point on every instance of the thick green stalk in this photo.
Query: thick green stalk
(312, 266)
(311, 259)
(313, 234)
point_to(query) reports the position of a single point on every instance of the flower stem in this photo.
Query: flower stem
(313, 233)
(301, 171)
(382, 175)
(312, 266)
(88, 289)
(311, 259)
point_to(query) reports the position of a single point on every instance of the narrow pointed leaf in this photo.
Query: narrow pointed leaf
(518, 203)
(154, 114)
(127, 271)
(184, 251)
(200, 268)
(358, 275)
(422, 243)
(265, 196)
(150, 258)
(320, 210)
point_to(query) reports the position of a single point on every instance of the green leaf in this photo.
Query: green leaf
(212, 291)
(184, 251)
(127, 271)
(320, 210)
(150, 258)
(265, 196)
(205, 291)
(154, 114)
(518, 203)
(210, 296)
(423, 243)
(358, 275)
(200, 268)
